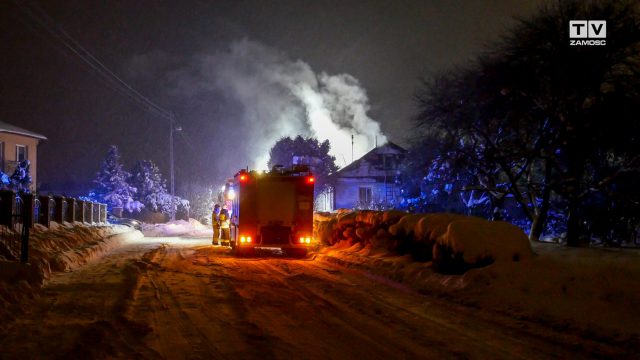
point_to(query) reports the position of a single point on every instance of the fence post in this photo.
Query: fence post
(79, 211)
(103, 213)
(28, 202)
(45, 209)
(60, 209)
(7, 202)
(27, 221)
(96, 212)
(88, 211)
(46, 204)
(71, 210)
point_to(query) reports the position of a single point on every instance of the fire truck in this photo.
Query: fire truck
(272, 210)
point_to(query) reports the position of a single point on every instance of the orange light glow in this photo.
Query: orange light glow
(311, 180)
(243, 177)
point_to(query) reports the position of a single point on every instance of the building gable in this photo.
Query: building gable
(378, 162)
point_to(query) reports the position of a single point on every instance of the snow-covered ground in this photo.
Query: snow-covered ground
(181, 298)
(371, 293)
(192, 228)
(595, 291)
(62, 247)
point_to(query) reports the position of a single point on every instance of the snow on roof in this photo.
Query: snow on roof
(5, 127)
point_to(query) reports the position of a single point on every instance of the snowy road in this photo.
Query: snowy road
(184, 299)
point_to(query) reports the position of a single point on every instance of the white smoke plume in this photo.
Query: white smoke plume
(280, 97)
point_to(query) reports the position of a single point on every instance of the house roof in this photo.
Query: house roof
(8, 128)
(388, 145)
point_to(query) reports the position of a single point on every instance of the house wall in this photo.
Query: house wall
(10, 141)
(376, 170)
(347, 193)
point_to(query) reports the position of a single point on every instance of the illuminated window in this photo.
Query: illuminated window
(365, 194)
(21, 153)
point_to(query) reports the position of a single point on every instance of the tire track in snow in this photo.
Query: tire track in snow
(203, 307)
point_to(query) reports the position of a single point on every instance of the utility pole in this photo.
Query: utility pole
(173, 127)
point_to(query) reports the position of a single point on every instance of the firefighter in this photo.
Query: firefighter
(215, 223)
(225, 226)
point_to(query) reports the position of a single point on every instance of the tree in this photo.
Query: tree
(151, 187)
(535, 118)
(111, 182)
(307, 151)
(587, 96)
(21, 177)
(201, 201)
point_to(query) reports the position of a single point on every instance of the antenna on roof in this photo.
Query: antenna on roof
(351, 147)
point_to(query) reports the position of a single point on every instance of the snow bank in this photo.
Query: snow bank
(191, 228)
(61, 247)
(476, 241)
(592, 292)
(491, 265)
(455, 242)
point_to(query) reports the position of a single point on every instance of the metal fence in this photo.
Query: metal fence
(14, 236)
(21, 211)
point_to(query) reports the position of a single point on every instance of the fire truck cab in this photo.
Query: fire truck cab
(273, 210)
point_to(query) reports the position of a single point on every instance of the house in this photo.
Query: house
(370, 181)
(16, 145)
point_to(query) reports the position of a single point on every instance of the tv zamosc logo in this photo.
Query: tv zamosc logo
(587, 32)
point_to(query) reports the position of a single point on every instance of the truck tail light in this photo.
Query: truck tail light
(311, 180)
(245, 239)
(305, 239)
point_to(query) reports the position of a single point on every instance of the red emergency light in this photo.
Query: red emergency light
(243, 177)
(310, 180)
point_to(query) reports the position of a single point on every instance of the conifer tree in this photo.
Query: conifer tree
(111, 182)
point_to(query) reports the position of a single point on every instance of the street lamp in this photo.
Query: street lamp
(173, 128)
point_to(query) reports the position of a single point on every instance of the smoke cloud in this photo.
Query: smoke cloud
(275, 97)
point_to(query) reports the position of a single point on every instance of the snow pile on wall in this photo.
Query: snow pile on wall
(59, 248)
(454, 242)
(191, 228)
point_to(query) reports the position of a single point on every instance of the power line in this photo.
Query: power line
(48, 24)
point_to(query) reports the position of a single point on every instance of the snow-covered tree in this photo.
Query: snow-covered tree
(151, 187)
(201, 200)
(173, 204)
(112, 187)
(21, 178)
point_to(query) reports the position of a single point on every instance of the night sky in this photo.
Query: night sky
(213, 63)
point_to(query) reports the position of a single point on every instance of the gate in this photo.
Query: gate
(14, 237)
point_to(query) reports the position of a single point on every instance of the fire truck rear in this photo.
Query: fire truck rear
(273, 210)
